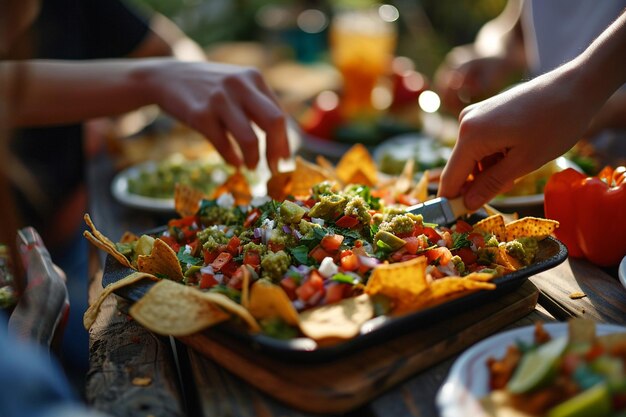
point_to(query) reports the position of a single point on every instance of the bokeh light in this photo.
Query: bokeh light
(429, 101)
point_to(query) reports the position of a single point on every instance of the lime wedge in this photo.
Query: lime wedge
(594, 402)
(537, 366)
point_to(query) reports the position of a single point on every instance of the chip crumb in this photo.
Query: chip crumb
(576, 295)
(142, 381)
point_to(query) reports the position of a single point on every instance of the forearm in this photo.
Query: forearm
(601, 68)
(57, 92)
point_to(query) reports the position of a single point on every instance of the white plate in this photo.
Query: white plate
(119, 185)
(468, 380)
(119, 189)
(621, 271)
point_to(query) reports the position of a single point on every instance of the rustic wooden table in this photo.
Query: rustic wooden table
(135, 373)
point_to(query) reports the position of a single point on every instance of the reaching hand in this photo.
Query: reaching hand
(218, 100)
(525, 127)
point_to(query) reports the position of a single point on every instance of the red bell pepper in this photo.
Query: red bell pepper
(591, 212)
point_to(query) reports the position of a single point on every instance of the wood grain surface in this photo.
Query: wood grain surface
(604, 297)
(132, 372)
(342, 385)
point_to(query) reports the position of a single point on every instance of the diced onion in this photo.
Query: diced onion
(327, 267)
(368, 261)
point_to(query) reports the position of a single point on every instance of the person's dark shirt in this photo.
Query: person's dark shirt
(69, 30)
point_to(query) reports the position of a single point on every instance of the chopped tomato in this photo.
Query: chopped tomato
(289, 284)
(171, 242)
(236, 279)
(414, 244)
(230, 268)
(441, 255)
(312, 285)
(477, 239)
(397, 255)
(195, 247)
(319, 253)
(467, 256)
(252, 258)
(209, 256)
(252, 217)
(336, 291)
(331, 242)
(406, 199)
(208, 281)
(347, 222)
(431, 234)
(221, 260)
(233, 245)
(463, 227)
(349, 262)
(182, 222)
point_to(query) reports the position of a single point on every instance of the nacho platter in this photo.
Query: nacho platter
(395, 292)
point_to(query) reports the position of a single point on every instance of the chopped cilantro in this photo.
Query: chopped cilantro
(301, 254)
(186, 258)
(460, 240)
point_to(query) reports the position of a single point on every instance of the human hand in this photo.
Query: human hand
(525, 127)
(466, 77)
(218, 100)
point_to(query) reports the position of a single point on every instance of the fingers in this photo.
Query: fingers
(492, 181)
(270, 118)
(216, 134)
(456, 171)
(237, 123)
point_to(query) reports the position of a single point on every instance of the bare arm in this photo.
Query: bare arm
(534, 122)
(214, 99)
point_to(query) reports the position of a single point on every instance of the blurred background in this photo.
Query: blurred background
(427, 28)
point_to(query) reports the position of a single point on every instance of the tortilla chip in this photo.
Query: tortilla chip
(508, 217)
(92, 312)
(327, 166)
(305, 176)
(245, 286)
(404, 181)
(443, 287)
(341, 320)
(481, 276)
(173, 309)
(530, 227)
(162, 261)
(268, 300)
(187, 199)
(279, 185)
(360, 177)
(403, 282)
(232, 307)
(357, 158)
(238, 186)
(102, 242)
(494, 225)
(420, 191)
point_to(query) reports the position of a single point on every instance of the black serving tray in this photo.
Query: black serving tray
(378, 330)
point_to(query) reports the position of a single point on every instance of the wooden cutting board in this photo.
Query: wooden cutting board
(341, 385)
